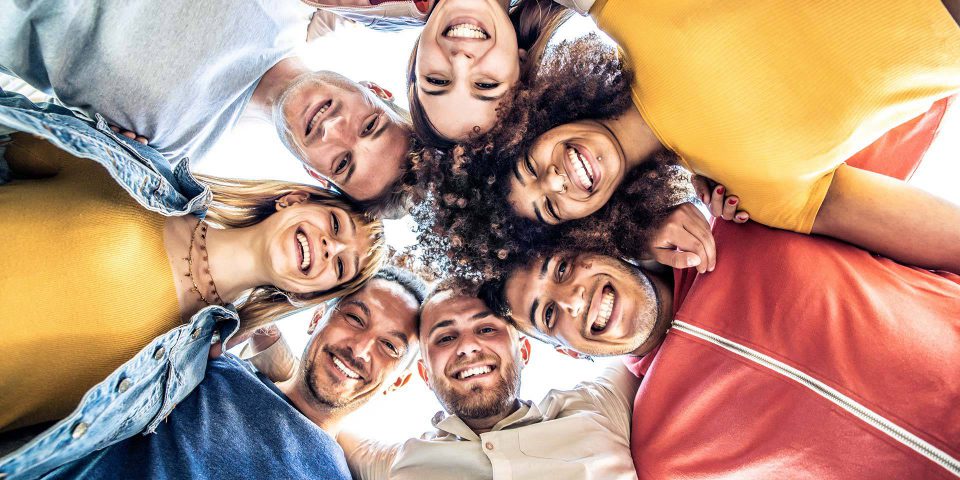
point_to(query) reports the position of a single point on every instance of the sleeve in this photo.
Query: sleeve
(582, 7)
(277, 362)
(612, 394)
(368, 459)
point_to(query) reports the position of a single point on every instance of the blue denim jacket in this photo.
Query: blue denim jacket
(142, 392)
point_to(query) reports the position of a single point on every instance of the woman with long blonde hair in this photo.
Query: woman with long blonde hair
(96, 268)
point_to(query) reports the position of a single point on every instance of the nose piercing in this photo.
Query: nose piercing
(563, 187)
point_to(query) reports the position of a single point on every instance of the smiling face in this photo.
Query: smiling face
(467, 59)
(363, 342)
(594, 304)
(342, 133)
(570, 172)
(471, 358)
(313, 247)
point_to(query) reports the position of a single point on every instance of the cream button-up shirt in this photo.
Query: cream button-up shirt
(576, 434)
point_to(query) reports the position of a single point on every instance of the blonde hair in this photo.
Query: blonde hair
(242, 203)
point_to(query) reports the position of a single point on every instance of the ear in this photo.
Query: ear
(422, 370)
(317, 316)
(292, 198)
(523, 54)
(380, 92)
(397, 384)
(569, 352)
(323, 181)
(525, 350)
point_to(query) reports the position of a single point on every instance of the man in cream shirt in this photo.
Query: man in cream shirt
(472, 360)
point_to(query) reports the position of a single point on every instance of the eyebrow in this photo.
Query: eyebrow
(362, 306)
(401, 336)
(487, 98)
(349, 175)
(516, 173)
(536, 301)
(383, 126)
(434, 92)
(447, 323)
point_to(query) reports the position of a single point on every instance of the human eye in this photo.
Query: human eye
(335, 223)
(370, 125)
(529, 165)
(437, 81)
(549, 312)
(355, 320)
(486, 330)
(393, 350)
(339, 268)
(562, 267)
(487, 85)
(342, 164)
(551, 209)
(442, 339)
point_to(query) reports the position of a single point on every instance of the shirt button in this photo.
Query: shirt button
(79, 430)
(158, 355)
(488, 446)
(124, 385)
(196, 333)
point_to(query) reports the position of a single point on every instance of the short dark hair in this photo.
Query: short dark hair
(457, 285)
(413, 284)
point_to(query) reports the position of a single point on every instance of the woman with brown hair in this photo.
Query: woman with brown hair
(468, 56)
(96, 265)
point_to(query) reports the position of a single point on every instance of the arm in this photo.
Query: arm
(268, 351)
(892, 218)
(613, 393)
(368, 460)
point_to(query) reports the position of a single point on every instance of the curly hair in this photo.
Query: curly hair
(467, 226)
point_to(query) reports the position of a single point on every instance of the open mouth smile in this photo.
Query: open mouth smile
(344, 369)
(581, 168)
(465, 28)
(321, 109)
(474, 372)
(303, 251)
(608, 300)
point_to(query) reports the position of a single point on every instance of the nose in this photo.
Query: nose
(574, 302)
(330, 248)
(334, 129)
(555, 181)
(363, 347)
(467, 346)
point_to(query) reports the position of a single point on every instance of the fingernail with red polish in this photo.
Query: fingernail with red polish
(732, 201)
(720, 190)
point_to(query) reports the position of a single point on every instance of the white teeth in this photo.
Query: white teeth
(465, 30)
(316, 118)
(305, 250)
(343, 368)
(606, 309)
(470, 372)
(581, 167)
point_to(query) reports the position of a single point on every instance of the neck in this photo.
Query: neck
(485, 424)
(273, 84)
(663, 285)
(325, 417)
(234, 261)
(634, 135)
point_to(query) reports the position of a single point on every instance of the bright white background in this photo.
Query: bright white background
(252, 150)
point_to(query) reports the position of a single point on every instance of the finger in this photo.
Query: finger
(142, 140)
(741, 217)
(730, 207)
(704, 242)
(676, 258)
(716, 201)
(130, 135)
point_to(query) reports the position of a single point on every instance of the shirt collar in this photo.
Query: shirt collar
(527, 413)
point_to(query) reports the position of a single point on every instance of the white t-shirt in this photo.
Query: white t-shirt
(178, 72)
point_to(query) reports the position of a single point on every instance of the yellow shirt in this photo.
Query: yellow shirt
(85, 282)
(770, 97)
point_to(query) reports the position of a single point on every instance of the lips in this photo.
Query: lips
(315, 115)
(608, 298)
(465, 28)
(473, 371)
(304, 250)
(582, 168)
(343, 367)
(604, 311)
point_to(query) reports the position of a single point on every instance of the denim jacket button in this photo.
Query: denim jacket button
(215, 339)
(79, 430)
(196, 333)
(158, 355)
(124, 385)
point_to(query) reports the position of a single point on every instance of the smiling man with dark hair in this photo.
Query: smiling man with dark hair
(797, 355)
(472, 360)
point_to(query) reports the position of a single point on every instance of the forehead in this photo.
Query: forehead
(455, 309)
(390, 305)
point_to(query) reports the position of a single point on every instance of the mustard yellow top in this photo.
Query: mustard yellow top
(85, 282)
(770, 97)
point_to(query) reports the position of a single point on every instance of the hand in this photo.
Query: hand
(131, 135)
(684, 240)
(713, 196)
(264, 337)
